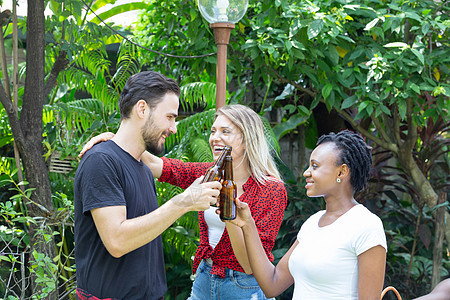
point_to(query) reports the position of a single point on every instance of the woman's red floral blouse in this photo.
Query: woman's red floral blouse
(267, 204)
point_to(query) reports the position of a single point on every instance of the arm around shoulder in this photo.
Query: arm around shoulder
(154, 163)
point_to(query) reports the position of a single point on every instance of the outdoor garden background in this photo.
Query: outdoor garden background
(379, 67)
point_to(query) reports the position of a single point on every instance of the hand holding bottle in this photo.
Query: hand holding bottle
(199, 196)
(243, 215)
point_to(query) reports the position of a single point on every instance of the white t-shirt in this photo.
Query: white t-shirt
(215, 226)
(324, 264)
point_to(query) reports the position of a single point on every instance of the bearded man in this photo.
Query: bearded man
(118, 222)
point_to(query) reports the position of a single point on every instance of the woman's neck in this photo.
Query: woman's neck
(241, 172)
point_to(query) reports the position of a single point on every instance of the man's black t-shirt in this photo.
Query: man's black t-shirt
(110, 176)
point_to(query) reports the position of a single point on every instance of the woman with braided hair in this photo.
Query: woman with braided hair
(340, 252)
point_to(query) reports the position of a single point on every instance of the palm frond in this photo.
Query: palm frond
(198, 93)
(127, 65)
(193, 126)
(96, 86)
(94, 61)
(182, 240)
(77, 113)
(271, 138)
(201, 151)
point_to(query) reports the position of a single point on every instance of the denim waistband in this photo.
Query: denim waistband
(228, 272)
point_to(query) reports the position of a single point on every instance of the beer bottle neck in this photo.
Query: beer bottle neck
(225, 152)
(228, 168)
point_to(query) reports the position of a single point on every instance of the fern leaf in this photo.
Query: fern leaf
(193, 126)
(201, 150)
(198, 93)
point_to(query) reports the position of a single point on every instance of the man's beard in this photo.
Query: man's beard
(151, 135)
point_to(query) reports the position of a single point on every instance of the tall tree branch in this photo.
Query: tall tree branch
(13, 118)
(396, 126)
(380, 129)
(60, 64)
(412, 130)
(390, 146)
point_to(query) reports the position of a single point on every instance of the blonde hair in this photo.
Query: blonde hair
(260, 159)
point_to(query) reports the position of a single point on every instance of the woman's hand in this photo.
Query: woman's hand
(102, 137)
(243, 215)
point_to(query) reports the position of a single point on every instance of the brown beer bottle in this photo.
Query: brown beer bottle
(228, 192)
(214, 173)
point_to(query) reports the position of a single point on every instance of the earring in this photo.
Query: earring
(338, 180)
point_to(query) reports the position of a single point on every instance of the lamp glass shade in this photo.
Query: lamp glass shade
(218, 11)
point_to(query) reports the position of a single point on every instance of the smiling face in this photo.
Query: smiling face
(225, 133)
(323, 171)
(160, 123)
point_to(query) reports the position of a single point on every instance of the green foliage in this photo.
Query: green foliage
(176, 27)
(44, 268)
(371, 61)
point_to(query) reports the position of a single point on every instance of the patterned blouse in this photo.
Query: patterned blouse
(266, 202)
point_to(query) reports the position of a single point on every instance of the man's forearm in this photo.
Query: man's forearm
(126, 235)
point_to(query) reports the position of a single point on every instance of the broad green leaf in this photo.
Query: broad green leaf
(334, 54)
(101, 3)
(348, 102)
(55, 7)
(118, 10)
(326, 90)
(371, 24)
(426, 12)
(288, 44)
(415, 88)
(413, 15)
(298, 45)
(5, 258)
(284, 127)
(347, 72)
(402, 108)
(304, 110)
(355, 53)
(369, 109)
(6, 140)
(314, 28)
(426, 28)
(384, 109)
(396, 45)
(419, 55)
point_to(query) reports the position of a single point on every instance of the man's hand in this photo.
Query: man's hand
(199, 196)
(102, 137)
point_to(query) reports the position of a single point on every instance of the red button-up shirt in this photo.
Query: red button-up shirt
(266, 202)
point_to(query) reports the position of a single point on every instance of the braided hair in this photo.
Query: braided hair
(354, 152)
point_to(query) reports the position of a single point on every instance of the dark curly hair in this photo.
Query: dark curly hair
(149, 86)
(354, 152)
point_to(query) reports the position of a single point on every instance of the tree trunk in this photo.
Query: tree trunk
(421, 183)
(438, 240)
(31, 126)
(430, 197)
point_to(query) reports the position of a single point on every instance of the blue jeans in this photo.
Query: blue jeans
(235, 286)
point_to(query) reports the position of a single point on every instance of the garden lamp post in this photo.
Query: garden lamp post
(222, 15)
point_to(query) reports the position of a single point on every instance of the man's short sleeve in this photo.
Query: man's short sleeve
(99, 184)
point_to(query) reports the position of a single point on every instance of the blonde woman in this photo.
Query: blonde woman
(221, 263)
